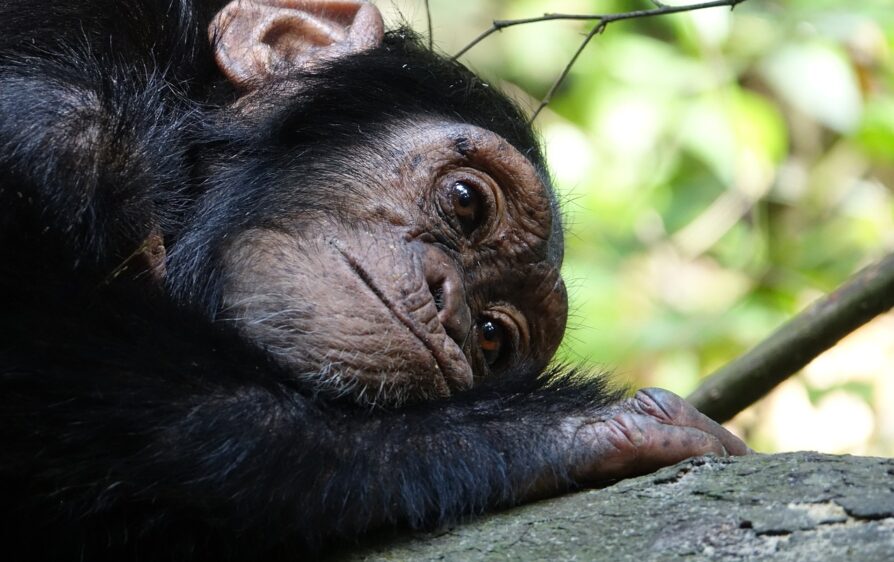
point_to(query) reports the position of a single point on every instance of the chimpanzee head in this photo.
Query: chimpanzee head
(376, 217)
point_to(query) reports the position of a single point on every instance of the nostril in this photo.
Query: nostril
(437, 291)
(453, 312)
(445, 283)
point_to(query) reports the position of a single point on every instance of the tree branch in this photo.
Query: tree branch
(660, 9)
(742, 382)
(602, 21)
(599, 28)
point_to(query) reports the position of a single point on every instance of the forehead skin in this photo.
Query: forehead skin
(512, 265)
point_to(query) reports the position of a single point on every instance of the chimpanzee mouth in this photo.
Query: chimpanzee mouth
(452, 379)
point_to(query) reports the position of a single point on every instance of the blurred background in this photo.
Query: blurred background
(719, 172)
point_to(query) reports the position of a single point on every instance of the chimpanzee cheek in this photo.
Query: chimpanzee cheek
(349, 311)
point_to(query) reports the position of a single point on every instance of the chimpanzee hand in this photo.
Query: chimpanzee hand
(652, 429)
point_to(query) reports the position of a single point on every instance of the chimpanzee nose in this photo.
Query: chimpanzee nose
(446, 285)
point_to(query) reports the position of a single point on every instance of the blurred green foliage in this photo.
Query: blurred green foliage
(719, 171)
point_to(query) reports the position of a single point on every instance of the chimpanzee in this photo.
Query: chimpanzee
(273, 277)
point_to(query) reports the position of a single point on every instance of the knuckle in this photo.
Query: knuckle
(656, 403)
(624, 434)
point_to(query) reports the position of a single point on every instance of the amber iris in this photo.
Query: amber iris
(491, 339)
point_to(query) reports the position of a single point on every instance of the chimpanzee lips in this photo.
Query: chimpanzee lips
(455, 372)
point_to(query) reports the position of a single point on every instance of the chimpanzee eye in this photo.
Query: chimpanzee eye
(492, 341)
(467, 206)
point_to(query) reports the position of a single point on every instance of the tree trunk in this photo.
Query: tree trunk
(794, 506)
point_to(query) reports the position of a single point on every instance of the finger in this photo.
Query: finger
(674, 410)
(630, 444)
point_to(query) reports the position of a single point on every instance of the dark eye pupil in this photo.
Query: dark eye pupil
(490, 331)
(464, 195)
(466, 202)
(490, 340)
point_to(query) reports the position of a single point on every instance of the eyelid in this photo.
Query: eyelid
(492, 190)
(514, 323)
(487, 188)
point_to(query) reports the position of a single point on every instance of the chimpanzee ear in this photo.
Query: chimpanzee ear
(256, 40)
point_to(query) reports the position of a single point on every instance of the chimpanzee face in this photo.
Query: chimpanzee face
(431, 267)
(392, 234)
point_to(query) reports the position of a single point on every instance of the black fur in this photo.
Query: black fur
(131, 425)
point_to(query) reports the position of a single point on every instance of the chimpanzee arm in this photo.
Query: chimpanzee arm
(141, 451)
(110, 446)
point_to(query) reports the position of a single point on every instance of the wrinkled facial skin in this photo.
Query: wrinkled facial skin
(435, 272)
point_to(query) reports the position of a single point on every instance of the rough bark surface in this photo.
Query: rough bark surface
(794, 506)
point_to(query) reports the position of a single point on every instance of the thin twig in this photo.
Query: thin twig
(599, 28)
(431, 37)
(604, 19)
(602, 22)
(786, 351)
